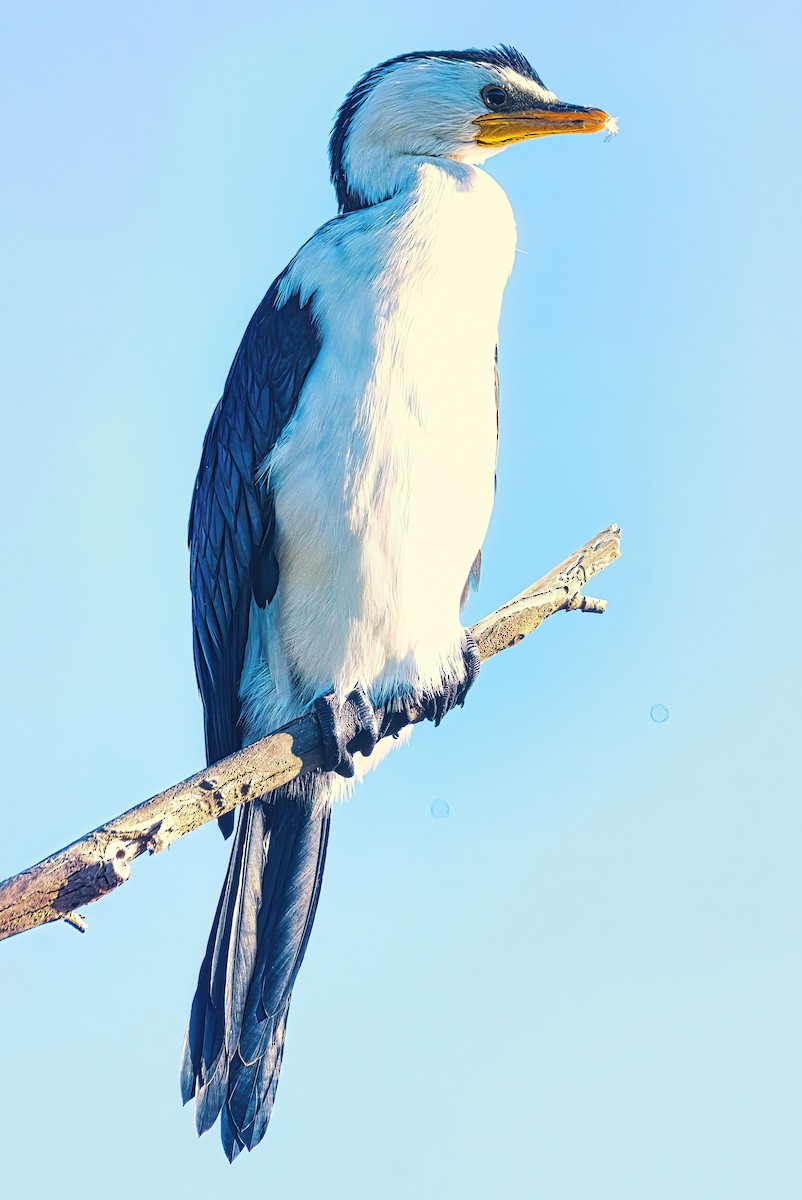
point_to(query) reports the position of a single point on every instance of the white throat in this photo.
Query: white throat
(396, 129)
(384, 478)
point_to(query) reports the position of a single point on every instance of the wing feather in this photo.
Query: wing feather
(231, 524)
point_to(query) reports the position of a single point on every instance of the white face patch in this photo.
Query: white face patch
(423, 108)
(519, 83)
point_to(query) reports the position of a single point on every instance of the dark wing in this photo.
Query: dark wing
(475, 573)
(231, 521)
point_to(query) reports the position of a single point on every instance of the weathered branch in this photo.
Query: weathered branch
(100, 861)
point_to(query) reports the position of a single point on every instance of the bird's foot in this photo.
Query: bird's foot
(349, 726)
(434, 704)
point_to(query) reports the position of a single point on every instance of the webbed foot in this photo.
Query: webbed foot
(349, 726)
(434, 704)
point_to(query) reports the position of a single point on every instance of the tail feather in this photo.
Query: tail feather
(237, 941)
(253, 1093)
(235, 1038)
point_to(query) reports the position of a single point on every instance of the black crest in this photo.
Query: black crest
(498, 56)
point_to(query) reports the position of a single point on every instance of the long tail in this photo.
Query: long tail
(235, 1038)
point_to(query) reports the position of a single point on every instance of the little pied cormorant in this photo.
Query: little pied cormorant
(334, 523)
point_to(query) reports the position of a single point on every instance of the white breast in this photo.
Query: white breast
(384, 478)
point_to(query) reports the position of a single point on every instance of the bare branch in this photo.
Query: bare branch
(99, 862)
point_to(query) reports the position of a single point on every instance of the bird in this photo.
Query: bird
(344, 491)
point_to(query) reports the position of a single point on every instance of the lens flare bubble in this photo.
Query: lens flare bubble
(658, 713)
(440, 810)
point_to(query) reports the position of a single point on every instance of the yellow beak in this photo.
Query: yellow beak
(502, 129)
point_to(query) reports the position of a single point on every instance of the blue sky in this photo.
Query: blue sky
(586, 980)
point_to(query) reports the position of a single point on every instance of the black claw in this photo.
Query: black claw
(335, 755)
(434, 705)
(367, 727)
(473, 663)
(348, 726)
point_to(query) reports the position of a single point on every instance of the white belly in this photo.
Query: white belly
(384, 479)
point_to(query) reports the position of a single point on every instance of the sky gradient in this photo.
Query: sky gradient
(585, 980)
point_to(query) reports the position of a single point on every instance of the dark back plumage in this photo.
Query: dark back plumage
(231, 523)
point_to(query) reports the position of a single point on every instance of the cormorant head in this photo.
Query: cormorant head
(464, 105)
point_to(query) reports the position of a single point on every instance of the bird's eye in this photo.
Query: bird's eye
(494, 97)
